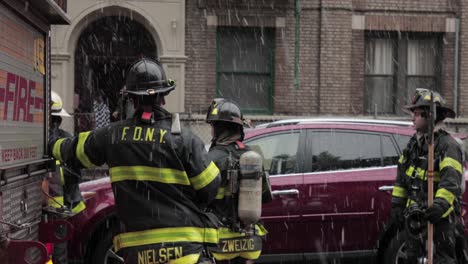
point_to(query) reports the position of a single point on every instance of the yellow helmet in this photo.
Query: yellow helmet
(57, 105)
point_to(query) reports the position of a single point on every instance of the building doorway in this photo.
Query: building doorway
(105, 50)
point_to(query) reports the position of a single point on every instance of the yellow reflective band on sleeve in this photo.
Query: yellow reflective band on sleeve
(448, 212)
(80, 151)
(62, 178)
(145, 173)
(206, 177)
(56, 149)
(449, 162)
(189, 259)
(79, 207)
(409, 202)
(220, 194)
(56, 202)
(166, 235)
(402, 159)
(399, 192)
(409, 171)
(446, 195)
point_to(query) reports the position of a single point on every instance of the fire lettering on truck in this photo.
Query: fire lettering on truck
(14, 154)
(21, 100)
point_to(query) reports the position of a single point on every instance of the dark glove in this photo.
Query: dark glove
(434, 213)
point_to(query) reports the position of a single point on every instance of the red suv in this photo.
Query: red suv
(325, 175)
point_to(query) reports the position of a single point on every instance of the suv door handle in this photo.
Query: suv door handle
(385, 188)
(285, 192)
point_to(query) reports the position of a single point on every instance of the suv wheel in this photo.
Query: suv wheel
(396, 250)
(103, 252)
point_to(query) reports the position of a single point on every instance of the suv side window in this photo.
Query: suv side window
(389, 152)
(339, 150)
(402, 141)
(279, 152)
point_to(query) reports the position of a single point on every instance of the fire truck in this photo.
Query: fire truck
(26, 232)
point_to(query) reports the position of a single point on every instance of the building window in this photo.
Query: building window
(245, 67)
(396, 65)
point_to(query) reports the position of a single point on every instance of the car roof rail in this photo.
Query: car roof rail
(361, 121)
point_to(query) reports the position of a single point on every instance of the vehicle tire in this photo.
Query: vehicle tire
(395, 253)
(103, 251)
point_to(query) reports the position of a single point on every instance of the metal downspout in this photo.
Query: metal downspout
(455, 62)
(297, 15)
(319, 68)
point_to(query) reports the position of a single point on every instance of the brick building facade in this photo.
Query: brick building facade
(329, 56)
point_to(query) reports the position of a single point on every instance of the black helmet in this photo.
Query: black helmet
(422, 98)
(225, 110)
(147, 77)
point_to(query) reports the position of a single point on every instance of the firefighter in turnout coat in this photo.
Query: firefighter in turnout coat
(161, 177)
(410, 189)
(65, 196)
(226, 149)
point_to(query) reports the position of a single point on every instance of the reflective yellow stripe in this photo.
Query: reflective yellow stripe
(421, 174)
(189, 259)
(446, 195)
(449, 162)
(206, 177)
(399, 191)
(80, 151)
(402, 159)
(220, 194)
(56, 149)
(448, 212)
(166, 235)
(409, 171)
(409, 202)
(57, 202)
(79, 207)
(62, 179)
(145, 173)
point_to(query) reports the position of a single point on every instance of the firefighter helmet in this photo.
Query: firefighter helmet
(147, 77)
(225, 110)
(422, 98)
(57, 105)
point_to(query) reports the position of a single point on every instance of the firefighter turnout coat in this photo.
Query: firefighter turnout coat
(161, 183)
(233, 244)
(64, 184)
(410, 191)
(411, 182)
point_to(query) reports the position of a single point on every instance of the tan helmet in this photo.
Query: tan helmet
(57, 105)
